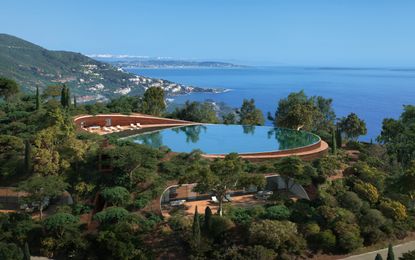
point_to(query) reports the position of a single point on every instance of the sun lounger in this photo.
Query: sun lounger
(133, 126)
(138, 125)
(214, 199)
(119, 127)
(114, 129)
(228, 197)
(106, 129)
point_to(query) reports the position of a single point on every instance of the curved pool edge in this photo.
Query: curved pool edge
(306, 153)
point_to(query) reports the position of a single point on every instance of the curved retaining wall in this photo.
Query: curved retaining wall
(310, 152)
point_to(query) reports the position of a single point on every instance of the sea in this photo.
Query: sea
(372, 93)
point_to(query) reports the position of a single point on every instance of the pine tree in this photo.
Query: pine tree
(38, 101)
(26, 251)
(391, 254)
(334, 142)
(208, 220)
(28, 157)
(196, 228)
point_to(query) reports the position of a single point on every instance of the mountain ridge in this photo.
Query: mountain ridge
(91, 80)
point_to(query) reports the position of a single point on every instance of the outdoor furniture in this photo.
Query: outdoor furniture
(133, 126)
(214, 199)
(228, 197)
(119, 127)
(175, 203)
(106, 129)
(138, 125)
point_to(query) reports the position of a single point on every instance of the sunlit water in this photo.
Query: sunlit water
(373, 94)
(224, 139)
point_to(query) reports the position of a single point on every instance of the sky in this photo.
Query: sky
(291, 32)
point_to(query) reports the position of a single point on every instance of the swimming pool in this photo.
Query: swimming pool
(224, 139)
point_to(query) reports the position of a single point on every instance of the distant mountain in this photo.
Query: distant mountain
(129, 62)
(89, 79)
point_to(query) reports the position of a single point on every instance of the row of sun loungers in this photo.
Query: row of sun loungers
(112, 129)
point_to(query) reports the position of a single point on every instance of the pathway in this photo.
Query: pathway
(398, 250)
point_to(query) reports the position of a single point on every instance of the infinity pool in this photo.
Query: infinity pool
(224, 139)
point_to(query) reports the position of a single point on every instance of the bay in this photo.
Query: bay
(372, 93)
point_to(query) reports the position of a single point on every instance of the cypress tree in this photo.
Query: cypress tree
(391, 254)
(38, 101)
(339, 137)
(68, 97)
(196, 228)
(26, 251)
(334, 141)
(28, 157)
(63, 96)
(74, 101)
(208, 220)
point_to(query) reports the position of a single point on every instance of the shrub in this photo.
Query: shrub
(278, 235)
(393, 209)
(350, 201)
(366, 191)
(116, 196)
(324, 240)
(348, 237)
(278, 212)
(111, 215)
(220, 225)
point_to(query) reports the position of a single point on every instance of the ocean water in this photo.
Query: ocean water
(373, 94)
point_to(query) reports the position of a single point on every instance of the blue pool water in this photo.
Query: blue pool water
(373, 94)
(224, 139)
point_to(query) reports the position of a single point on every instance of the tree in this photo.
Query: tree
(40, 188)
(277, 212)
(406, 183)
(196, 234)
(8, 88)
(153, 101)
(339, 140)
(11, 151)
(249, 114)
(112, 215)
(116, 196)
(26, 252)
(74, 102)
(281, 236)
(28, 157)
(222, 176)
(208, 219)
(196, 112)
(60, 223)
(292, 168)
(10, 251)
(352, 127)
(229, 119)
(333, 142)
(38, 99)
(391, 254)
(64, 96)
(297, 111)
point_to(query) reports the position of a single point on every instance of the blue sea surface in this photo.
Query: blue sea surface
(373, 94)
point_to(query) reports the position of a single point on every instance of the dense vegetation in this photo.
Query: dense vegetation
(356, 201)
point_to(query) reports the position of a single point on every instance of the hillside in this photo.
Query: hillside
(89, 79)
